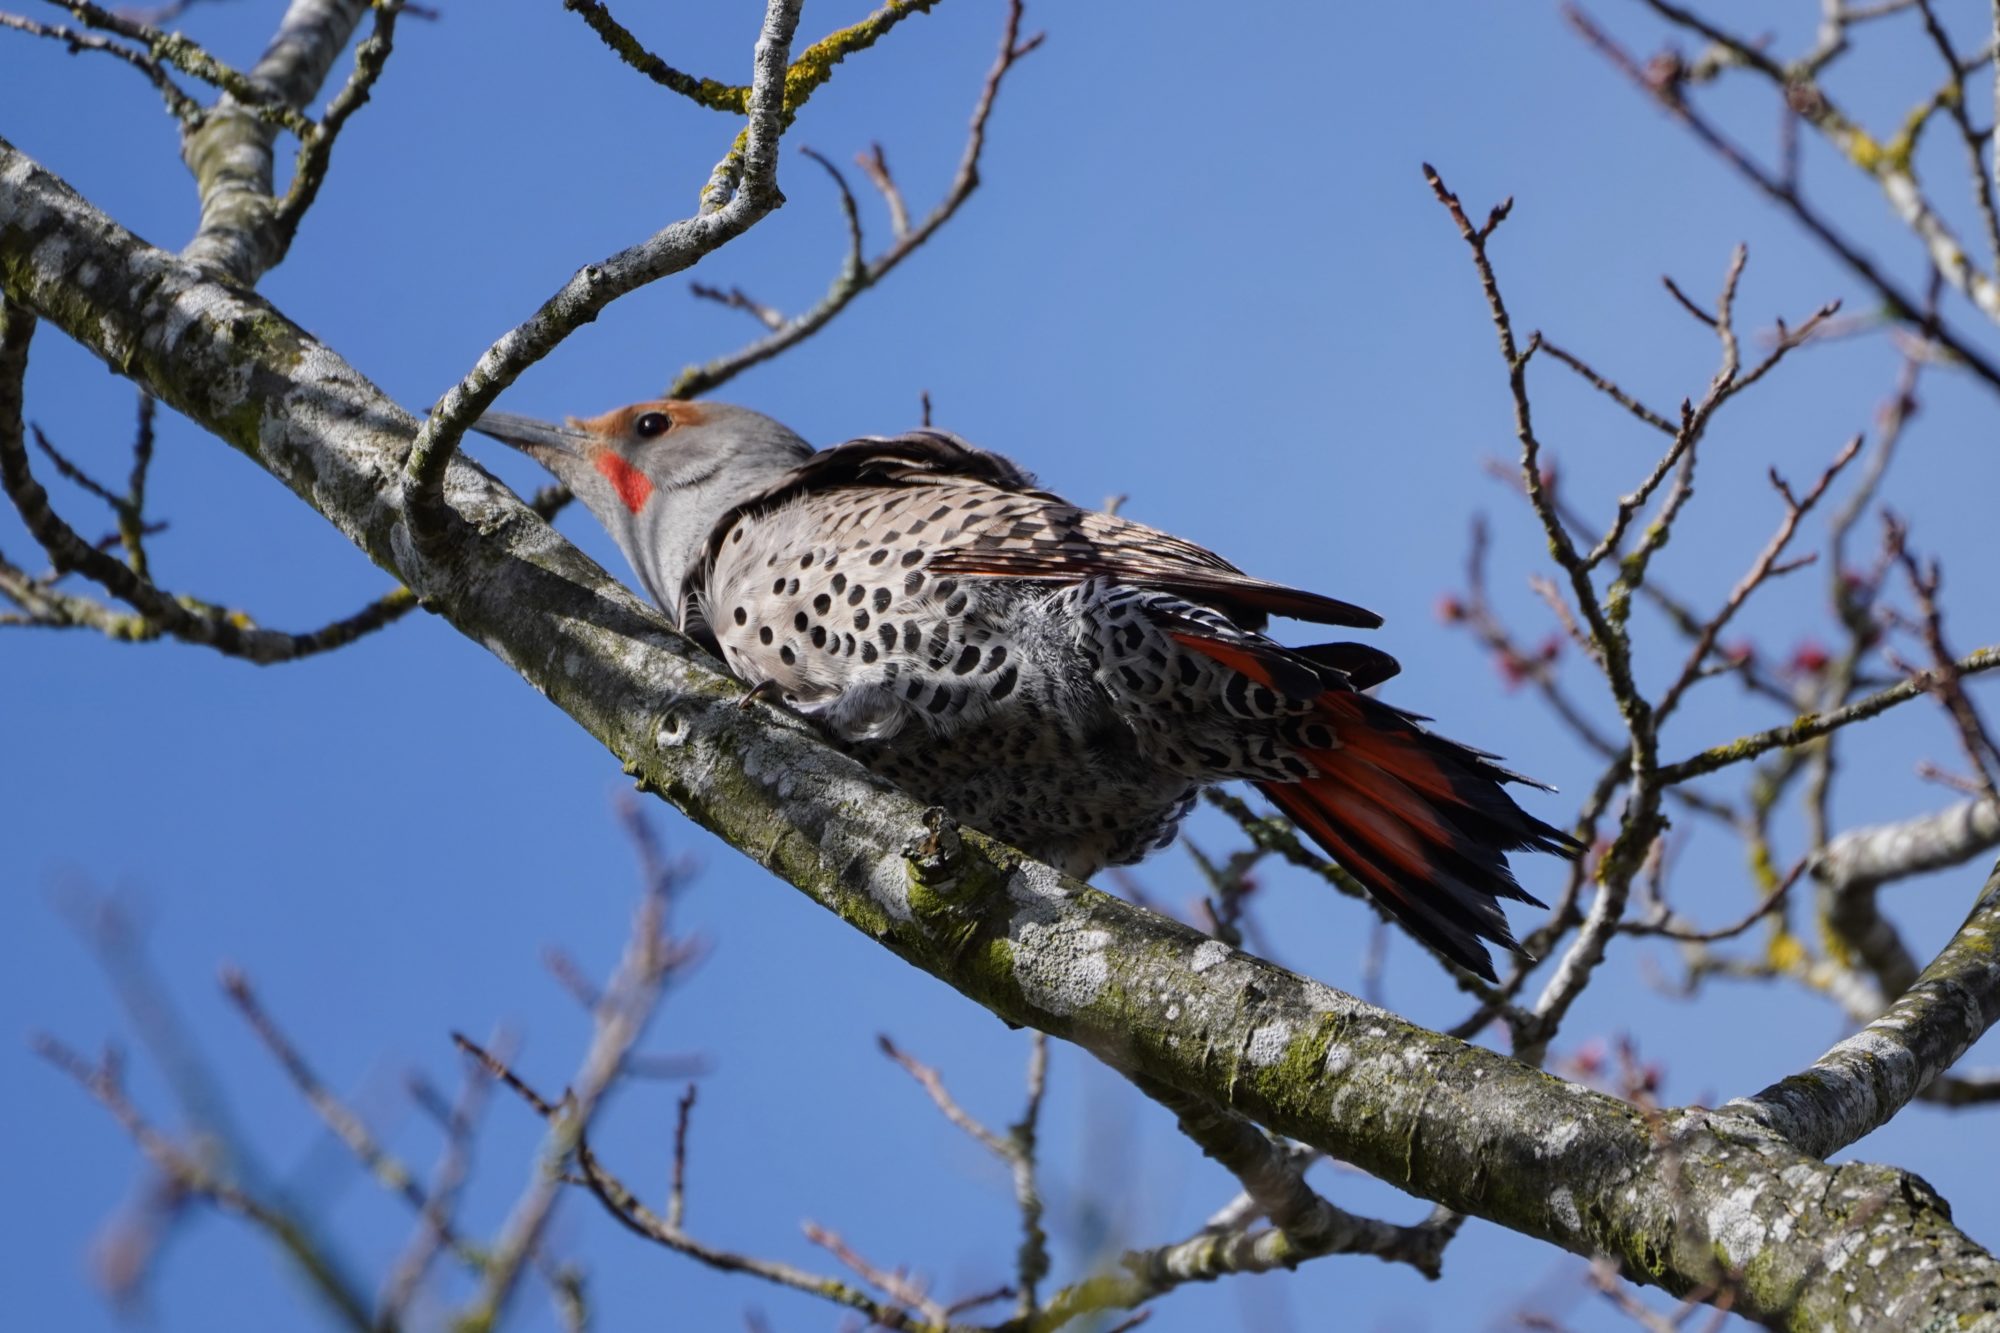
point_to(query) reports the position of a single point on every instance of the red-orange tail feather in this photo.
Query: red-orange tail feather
(1423, 822)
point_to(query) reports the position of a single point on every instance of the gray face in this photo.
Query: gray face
(658, 475)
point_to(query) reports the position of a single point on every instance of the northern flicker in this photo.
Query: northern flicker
(1064, 679)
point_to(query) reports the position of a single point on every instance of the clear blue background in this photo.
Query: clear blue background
(1204, 271)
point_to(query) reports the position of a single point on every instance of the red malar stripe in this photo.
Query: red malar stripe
(632, 485)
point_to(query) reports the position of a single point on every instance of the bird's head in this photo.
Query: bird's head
(658, 474)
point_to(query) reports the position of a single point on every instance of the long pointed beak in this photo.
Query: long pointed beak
(538, 439)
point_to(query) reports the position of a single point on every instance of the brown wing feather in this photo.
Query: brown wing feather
(1061, 541)
(1048, 537)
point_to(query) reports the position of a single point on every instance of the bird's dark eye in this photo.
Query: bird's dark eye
(652, 425)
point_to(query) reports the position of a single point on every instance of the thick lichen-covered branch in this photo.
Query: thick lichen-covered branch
(230, 153)
(1454, 1123)
(1863, 1081)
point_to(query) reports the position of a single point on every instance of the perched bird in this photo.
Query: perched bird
(1064, 679)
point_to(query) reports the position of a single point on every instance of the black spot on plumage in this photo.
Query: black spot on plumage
(1003, 685)
(742, 617)
(787, 656)
(917, 525)
(940, 699)
(995, 658)
(914, 687)
(1263, 700)
(912, 558)
(1236, 693)
(944, 587)
(939, 512)
(847, 645)
(800, 620)
(806, 560)
(839, 581)
(913, 637)
(967, 660)
(737, 535)
(778, 587)
(764, 634)
(881, 599)
(861, 619)
(822, 604)
(1296, 767)
(855, 594)
(868, 652)
(1316, 736)
(878, 557)
(791, 587)
(886, 631)
(913, 580)
(819, 636)
(1133, 680)
(955, 605)
(1189, 671)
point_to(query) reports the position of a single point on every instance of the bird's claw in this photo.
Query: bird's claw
(766, 691)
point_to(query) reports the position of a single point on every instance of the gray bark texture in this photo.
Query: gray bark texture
(1691, 1199)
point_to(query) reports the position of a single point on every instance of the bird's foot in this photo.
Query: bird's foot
(765, 691)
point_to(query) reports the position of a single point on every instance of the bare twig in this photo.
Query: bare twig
(434, 1223)
(737, 299)
(1670, 95)
(1973, 737)
(743, 189)
(813, 67)
(1611, 390)
(622, 1204)
(104, 1081)
(1814, 725)
(316, 144)
(696, 380)
(630, 999)
(188, 619)
(183, 108)
(1764, 568)
(875, 165)
(191, 58)
(1304, 1226)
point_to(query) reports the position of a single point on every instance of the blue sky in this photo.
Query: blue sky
(1204, 271)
